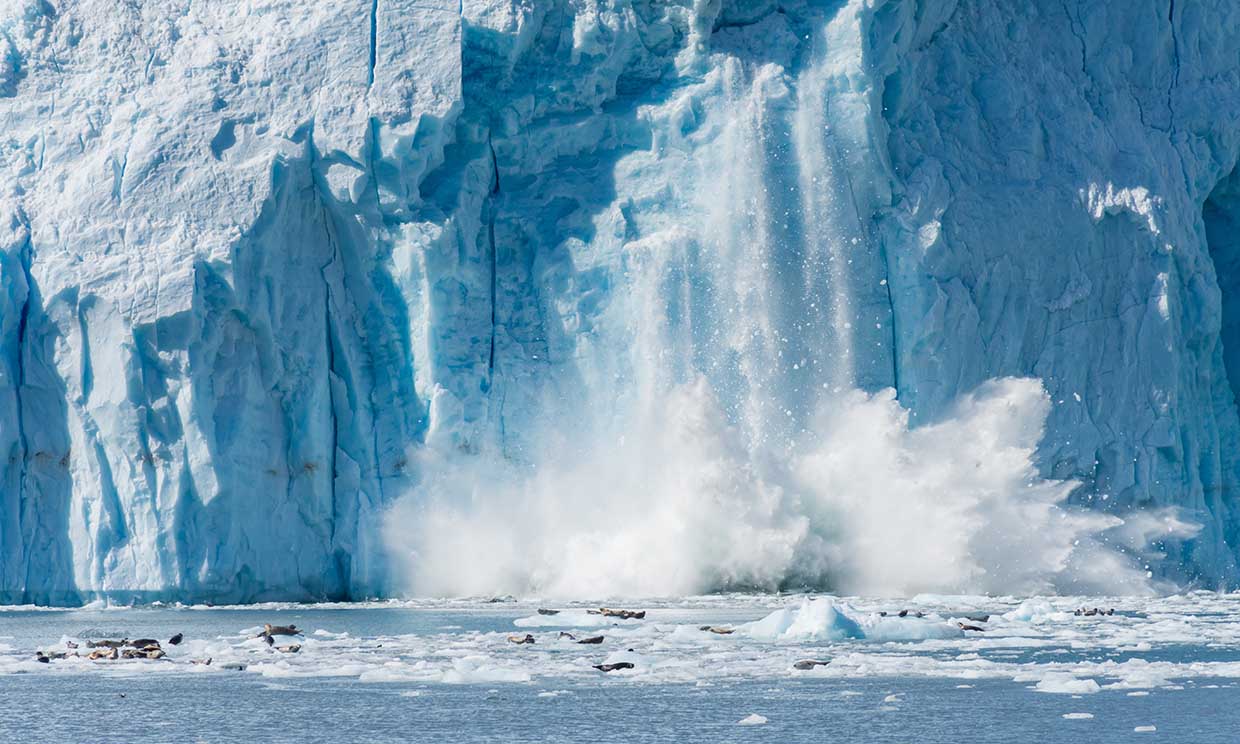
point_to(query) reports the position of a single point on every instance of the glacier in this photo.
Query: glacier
(271, 270)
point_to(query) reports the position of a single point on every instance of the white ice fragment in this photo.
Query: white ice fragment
(753, 719)
(1061, 683)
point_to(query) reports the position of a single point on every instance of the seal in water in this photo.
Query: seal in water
(717, 629)
(527, 638)
(807, 664)
(593, 640)
(614, 667)
(176, 639)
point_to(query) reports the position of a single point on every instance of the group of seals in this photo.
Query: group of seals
(1082, 612)
(622, 614)
(110, 649)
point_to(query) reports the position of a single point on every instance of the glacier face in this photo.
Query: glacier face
(257, 260)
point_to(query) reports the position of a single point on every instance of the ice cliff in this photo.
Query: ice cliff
(260, 261)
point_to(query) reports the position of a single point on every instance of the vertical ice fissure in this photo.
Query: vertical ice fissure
(25, 259)
(491, 209)
(374, 38)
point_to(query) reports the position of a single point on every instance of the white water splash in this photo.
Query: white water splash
(678, 504)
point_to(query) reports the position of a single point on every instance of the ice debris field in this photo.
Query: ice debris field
(1089, 654)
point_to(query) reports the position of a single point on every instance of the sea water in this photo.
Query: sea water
(446, 671)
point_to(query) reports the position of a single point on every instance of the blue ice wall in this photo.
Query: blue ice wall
(254, 260)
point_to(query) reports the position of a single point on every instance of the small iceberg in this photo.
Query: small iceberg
(826, 619)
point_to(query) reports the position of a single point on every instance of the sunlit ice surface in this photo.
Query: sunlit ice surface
(438, 670)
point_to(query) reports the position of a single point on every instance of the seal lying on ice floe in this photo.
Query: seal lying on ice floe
(107, 644)
(622, 614)
(270, 631)
(807, 664)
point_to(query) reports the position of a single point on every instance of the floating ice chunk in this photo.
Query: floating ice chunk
(827, 619)
(1145, 729)
(1078, 716)
(909, 629)
(1067, 684)
(814, 619)
(753, 719)
(1034, 610)
(479, 669)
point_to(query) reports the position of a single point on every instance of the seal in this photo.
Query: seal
(275, 630)
(176, 639)
(614, 667)
(807, 664)
(542, 611)
(44, 657)
(971, 627)
(109, 653)
(566, 634)
(143, 643)
(106, 644)
(292, 648)
(519, 640)
(717, 629)
(592, 640)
